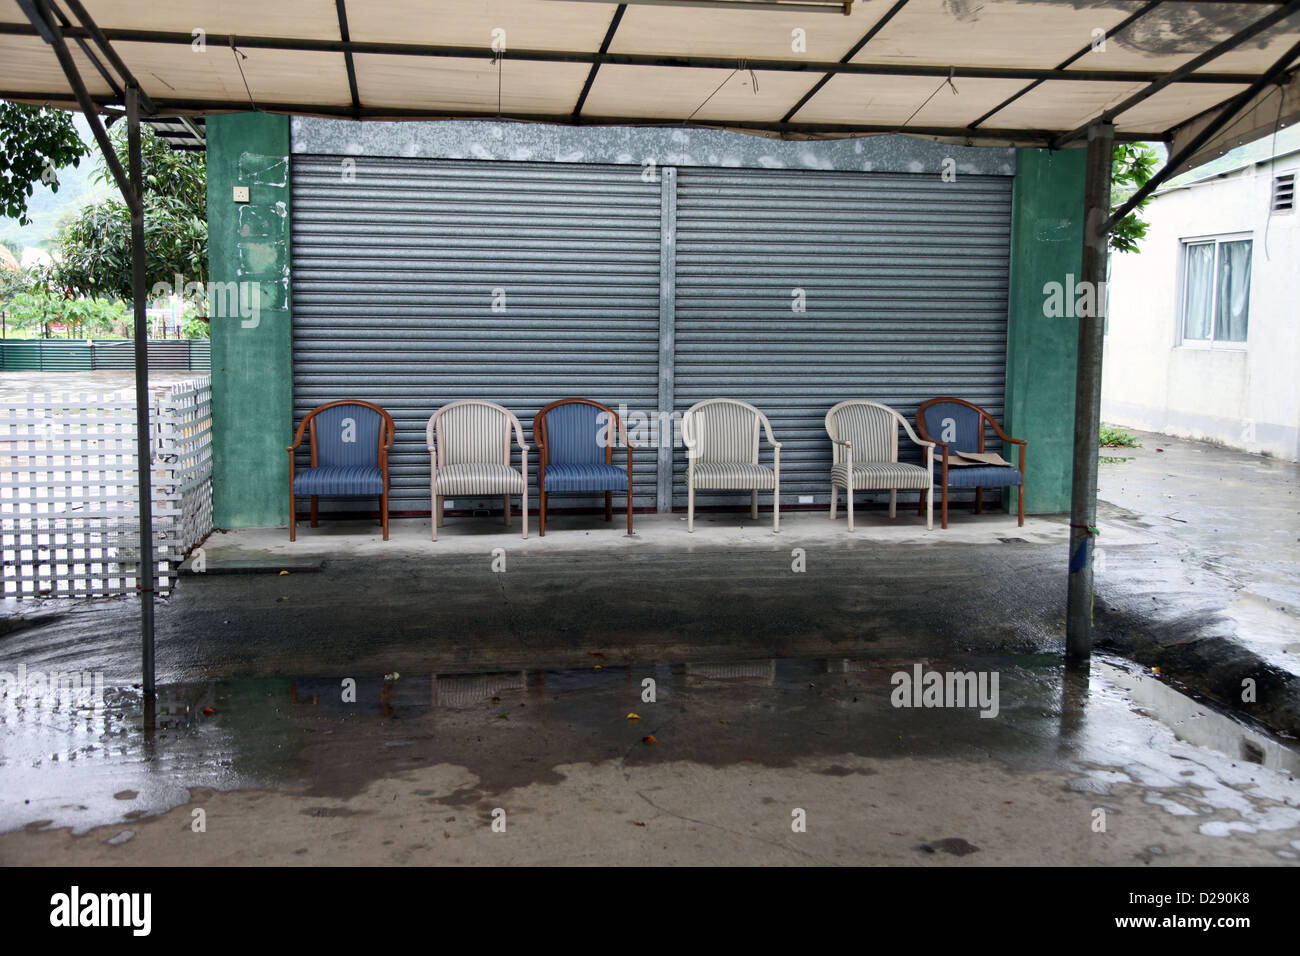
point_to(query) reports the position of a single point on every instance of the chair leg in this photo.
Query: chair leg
(383, 512)
(835, 495)
(437, 516)
(442, 518)
(848, 497)
(929, 509)
(753, 504)
(979, 501)
(523, 506)
(293, 519)
(629, 506)
(609, 506)
(920, 503)
(944, 510)
(1021, 509)
(690, 508)
(893, 502)
(776, 510)
(315, 511)
(541, 513)
(506, 499)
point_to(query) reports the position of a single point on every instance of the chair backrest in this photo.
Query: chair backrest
(723, 430)
(953, 421)
(870, 426)
(577, 431)
(348, 433)
(472, 432)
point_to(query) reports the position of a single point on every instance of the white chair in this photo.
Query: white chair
(864, 439)
(721, 438)
(469, 449)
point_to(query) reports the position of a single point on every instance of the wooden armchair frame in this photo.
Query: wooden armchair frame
(543, 458)
(979, 492)
(387, 431)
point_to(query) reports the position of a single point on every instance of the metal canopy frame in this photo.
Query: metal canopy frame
(1034, 77)
(127, 98)
(130, 182)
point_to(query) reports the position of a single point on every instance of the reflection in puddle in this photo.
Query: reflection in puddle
(94, 762)
(1198, 725)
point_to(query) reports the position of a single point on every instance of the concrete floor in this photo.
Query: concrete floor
(18, 384)
(511, 690)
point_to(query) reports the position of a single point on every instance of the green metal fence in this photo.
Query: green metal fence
(84, 355)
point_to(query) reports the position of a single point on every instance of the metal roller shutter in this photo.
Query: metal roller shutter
(905, 283)
(394, 275)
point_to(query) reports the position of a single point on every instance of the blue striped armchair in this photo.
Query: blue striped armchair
(576, 453)
(469, 452)
(349, 444)
(958, 426)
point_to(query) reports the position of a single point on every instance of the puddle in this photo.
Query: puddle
(84, 764)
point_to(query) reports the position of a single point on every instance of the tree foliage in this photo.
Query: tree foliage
(36, 303)
(34, 142)
(1132, 164)
(93, 251)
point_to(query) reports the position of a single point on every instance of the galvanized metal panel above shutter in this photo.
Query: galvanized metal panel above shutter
(904, 279)
(395, 263)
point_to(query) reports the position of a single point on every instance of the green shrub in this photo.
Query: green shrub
(1113, 437)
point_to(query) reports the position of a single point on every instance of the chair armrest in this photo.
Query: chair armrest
(688, 427)
(916, 439)
(297, 437)
(846, 442)
(1000, 433)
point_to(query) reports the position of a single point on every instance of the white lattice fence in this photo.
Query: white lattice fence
(68, 499)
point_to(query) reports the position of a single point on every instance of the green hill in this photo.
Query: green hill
(47, 208)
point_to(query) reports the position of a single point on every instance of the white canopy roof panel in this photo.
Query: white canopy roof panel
(975, 71)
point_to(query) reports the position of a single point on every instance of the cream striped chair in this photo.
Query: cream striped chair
(469, 449)
(721, 438)
(864, 440)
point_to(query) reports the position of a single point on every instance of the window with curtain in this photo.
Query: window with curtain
(1216, 291)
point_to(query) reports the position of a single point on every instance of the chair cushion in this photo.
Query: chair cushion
(357, 480)
(725, 433)
(479, 479)
(738, 475)
(574, 434)
(347, 436)
(978, 476)
(474, 434)
(568, 477)
(958, 425)
(872, 430)
(881, 475)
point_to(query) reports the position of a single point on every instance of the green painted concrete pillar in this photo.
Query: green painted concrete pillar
(251, 312)
(1046, 247)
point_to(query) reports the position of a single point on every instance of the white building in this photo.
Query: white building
(1203, 332)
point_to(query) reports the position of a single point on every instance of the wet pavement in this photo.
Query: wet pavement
(711, 770)
(1231, 522)
(512, 691)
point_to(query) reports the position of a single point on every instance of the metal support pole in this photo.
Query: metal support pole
(145, 579)
(1087, 392)
(667, 336)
